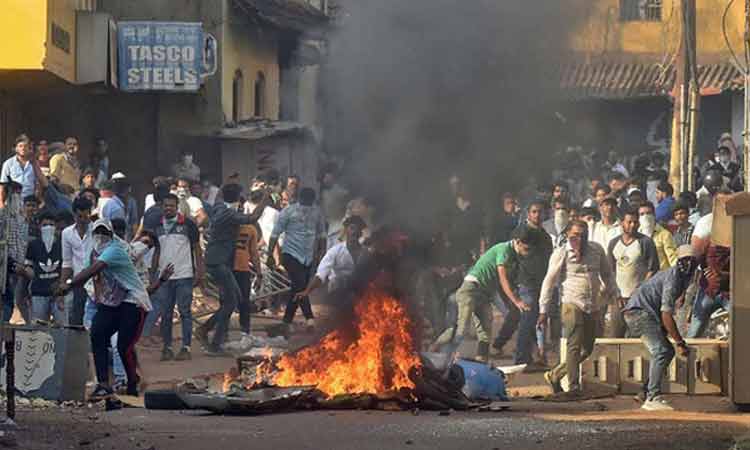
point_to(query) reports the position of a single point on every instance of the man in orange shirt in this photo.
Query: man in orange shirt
(246, 256)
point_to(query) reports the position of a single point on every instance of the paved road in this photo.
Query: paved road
(607, 424)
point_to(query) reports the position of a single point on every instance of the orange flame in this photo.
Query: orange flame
(378, 360)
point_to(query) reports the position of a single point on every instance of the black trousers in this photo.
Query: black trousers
(299, 275)
(127, 321)
(244, 281)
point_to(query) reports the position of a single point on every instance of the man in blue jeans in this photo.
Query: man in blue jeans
(649, 314)
(222, 240)
(178, 244)
(531, 270)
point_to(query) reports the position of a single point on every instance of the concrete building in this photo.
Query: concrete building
(257, 111)
(622, 72)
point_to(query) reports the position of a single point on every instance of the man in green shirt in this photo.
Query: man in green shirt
(491, 274)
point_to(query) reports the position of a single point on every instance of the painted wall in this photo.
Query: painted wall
(601, 33)
(62, 17)
(23, 31)
(252, 50)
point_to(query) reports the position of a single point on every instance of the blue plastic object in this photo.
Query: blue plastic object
(483, 382)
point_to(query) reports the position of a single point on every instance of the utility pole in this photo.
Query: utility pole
(684, 113)
(746, 119)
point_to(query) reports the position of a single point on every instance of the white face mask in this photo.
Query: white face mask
(561, 219)
(724, 159)
(139, 250)
(182, 192)
(647, 224)
(48, 236)
(101, 242)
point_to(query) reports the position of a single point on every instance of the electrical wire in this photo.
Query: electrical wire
(743, 68)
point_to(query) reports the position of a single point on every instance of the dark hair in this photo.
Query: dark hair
(680, 206)
(171, 196)
(560, 184)
(120, 186)
(82, 204)
(522, 234)
(631, 212)
(31, 198)
(257, 195)
(607, 190)
(647, 204)
(589, 212)
(88, 171)
(92, 191)
(610, 201)
(119, 226)
(46, 214)
(354, 220)
(665, 187)
(306, 197)
(272, 176)
(689, 198)
(161, 191)
(561, 201)
(186, 180)
(538, 202)
(21, 138)
(724, 149)
(615, 175)
(65, 216)
(231, 192)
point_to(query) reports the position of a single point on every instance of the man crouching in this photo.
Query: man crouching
(649, 314)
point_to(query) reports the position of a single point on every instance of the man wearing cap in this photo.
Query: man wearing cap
(650, 314)
(122, 205)
(492, 274)
(64, 166)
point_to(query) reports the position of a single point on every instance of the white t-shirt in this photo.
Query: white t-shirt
(149, 202)
(195, 205)
(702, 229)
(630, 271)
(267, 220)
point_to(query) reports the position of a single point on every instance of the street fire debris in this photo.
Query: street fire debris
(379, 368)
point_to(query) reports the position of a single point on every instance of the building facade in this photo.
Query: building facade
(68, 88)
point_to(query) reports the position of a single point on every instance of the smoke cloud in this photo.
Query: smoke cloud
(417, 90)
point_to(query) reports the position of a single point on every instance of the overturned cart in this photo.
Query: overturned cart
(462, 386)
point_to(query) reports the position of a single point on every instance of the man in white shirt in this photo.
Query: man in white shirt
(190, 205)
(77, 244)
(339, 261)
(608, 227)
(268, 218)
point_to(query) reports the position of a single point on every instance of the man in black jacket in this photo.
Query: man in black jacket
(225, 224)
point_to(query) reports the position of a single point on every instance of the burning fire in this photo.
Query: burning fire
(378, 360)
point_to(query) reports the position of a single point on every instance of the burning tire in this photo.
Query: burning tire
(164, 399)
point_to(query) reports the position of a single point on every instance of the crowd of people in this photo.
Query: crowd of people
(79, 252)
(614, 252)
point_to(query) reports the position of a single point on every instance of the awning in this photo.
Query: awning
(257, 129)
(296, 16)
(612, 81)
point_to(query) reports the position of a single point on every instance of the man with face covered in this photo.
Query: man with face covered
(713, 182)
(649, 315)
(581, 269)
(43, 264)
(558, 222)
(666, 249)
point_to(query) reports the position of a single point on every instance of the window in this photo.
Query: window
(237, 88)
(640, 10)
(260, 95)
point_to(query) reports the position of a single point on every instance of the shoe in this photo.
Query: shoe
(183, 355)
(572, 395)
(310, 325)
(100, 393)
(120, 387)
(167, 354)
(657, 404)
(132, 390)
(201, 335)
(640, 397)
(555, 385)
(218, 352)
